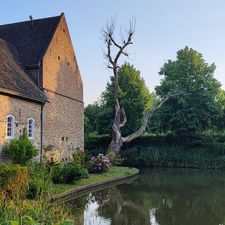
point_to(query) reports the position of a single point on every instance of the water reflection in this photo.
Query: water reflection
(157, 197)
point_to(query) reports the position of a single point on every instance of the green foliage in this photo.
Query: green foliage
(18, 182)
(168, 150)
(173, 156)
(13, 181)
(79, 157)
(134, 98)
(115, 159)
(220, 118)
(197, 107)
(39, 181)
(36, 212)
(20, 151)
(68, 173)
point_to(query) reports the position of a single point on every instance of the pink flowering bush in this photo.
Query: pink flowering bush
(99, 164)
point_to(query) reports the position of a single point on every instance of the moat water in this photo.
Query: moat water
(157, 197)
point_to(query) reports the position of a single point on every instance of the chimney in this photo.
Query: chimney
(32, 21)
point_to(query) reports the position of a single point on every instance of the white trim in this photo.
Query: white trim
(32, 129)
(12, 128)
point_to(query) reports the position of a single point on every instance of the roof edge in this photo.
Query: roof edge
(23, 96)
(6, 24)
(50, 39)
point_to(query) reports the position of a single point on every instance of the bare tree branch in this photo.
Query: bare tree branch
(146, 115)
(109, 40)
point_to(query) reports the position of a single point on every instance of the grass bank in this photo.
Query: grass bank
(113, 173)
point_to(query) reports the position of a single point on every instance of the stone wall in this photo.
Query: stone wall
(63, 119)
(63, 114)
(21, 110)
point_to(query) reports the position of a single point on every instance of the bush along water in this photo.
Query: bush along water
(30, 180)
(173, 157)
(68, 173)
(15, 187)
(41, 211)
(39, 181)
(206, 150)
(99, 164)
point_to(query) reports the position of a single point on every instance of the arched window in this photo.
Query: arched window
(30, 128)
(10, 127)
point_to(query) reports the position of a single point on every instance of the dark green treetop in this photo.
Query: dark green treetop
(196, 107)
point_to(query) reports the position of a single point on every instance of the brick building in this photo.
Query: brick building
(41, 88)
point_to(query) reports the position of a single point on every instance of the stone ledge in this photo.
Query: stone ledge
(77, 192)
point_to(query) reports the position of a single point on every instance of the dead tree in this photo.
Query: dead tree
(114, 51)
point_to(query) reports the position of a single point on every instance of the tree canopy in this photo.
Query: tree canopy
(134, 98)
(197, 105)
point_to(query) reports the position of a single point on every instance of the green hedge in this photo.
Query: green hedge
(39, 181)
(175, 157)
(215, 142)
(13, 181)
(199, 151)
(68, 173)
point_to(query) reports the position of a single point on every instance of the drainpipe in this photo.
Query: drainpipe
(38, 78)
(42, 114)
(42, 131)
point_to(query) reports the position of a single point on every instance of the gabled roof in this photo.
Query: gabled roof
(31, 38)
(13, 79)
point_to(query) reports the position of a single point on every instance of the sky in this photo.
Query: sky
(162, 28)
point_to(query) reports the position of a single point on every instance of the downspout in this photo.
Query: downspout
(42, 131)
(42, 115)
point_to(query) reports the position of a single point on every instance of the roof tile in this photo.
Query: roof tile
(13, 79)
(31, 38)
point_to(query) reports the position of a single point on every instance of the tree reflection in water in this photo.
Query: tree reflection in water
(158, 197)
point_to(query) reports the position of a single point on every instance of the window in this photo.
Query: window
(10, 127)
(30, 128)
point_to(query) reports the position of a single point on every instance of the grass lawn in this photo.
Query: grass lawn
(114, 172)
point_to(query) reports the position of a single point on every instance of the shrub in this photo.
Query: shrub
(39, 181)
(99, 164)
(56, 174)
(37, 212)
(68, 173)
(13, 181)
(20, 151)
(79, 157)
(115, 159)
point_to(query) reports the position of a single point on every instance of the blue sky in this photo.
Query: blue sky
(162, 28)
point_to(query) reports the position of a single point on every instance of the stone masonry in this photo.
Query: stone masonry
(58, 77)
(63, 114)
(21, 110)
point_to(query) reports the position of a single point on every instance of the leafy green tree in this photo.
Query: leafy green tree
(134, 98)
(196, 108)
(133, 94)
(220, 118)
(97, 119)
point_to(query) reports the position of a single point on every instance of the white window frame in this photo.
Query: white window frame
(12, 128)
(32, 128)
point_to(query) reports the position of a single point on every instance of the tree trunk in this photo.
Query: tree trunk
(116, 142)
(117, 139)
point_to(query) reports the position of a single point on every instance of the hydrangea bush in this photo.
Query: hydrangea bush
(99, 164)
